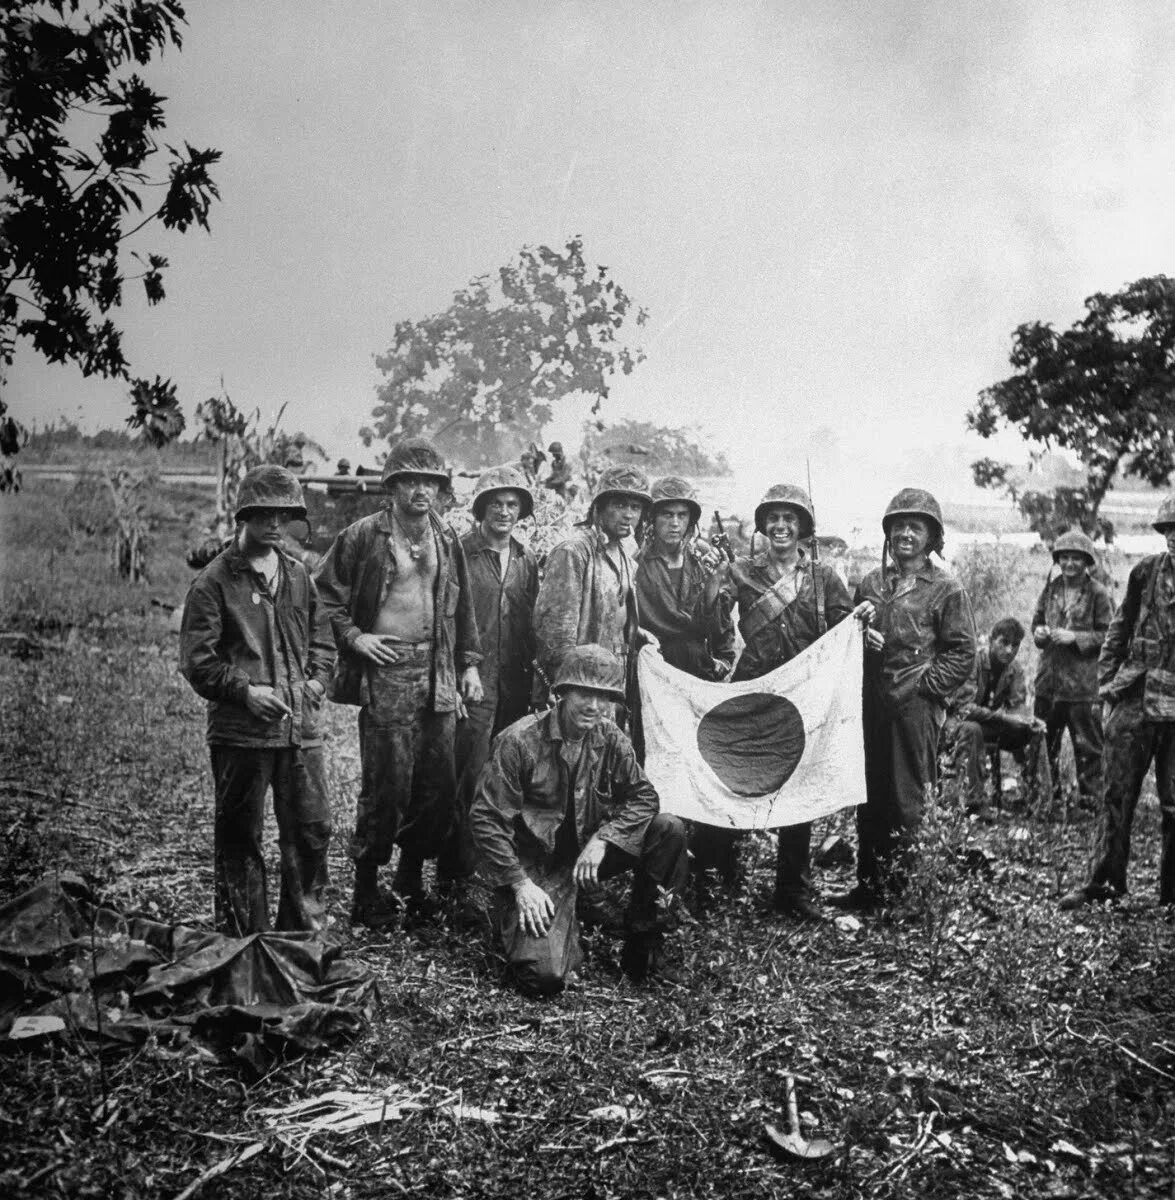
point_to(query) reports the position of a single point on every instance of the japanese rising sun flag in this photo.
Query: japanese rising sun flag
(778, 750)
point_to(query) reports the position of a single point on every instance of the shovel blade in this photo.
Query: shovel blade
(795, 1146)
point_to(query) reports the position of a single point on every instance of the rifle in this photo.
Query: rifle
(817, 588)
(721, 540)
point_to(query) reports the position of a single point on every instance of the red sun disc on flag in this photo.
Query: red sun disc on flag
(752, 742)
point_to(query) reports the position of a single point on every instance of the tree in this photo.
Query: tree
(659, 449)
(1103, 389)
(79, 153)
(504, 353)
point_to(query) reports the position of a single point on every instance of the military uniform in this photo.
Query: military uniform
(503, 589)
(1137, 676)
(929, 653)
(588, 595)
(538, 803)
(407, 709)
(1066, 691)
(238, 631)
(990, 710)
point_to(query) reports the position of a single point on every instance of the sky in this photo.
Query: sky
(835, 213)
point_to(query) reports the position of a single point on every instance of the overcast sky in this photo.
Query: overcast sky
(836, 213)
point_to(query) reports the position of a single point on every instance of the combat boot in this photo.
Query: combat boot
(369, 907)
(649, 958)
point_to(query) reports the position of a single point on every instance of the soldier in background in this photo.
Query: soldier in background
(588, 595)
(990, 711)
(559, 478)
(397, 590)
(1069, 625)
(919, 648)
(255, 643)
(504, 584)
(1137, 675)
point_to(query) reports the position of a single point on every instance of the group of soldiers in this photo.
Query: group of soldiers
(499, 723)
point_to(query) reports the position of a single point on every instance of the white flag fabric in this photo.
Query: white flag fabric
(778, 750)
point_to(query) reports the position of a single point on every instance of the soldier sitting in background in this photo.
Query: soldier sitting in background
(991, 711)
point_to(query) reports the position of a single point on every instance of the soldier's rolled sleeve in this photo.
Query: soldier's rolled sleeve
(556, 614)
(954, 660)
(200, 631)
(497, 803)
(638, 800)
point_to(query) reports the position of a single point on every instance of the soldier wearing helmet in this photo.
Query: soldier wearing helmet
(562, 805)
(1136, 673)
(1069, 626)
(677, 600)
(786, 601)
(587, 596)
(396, 586)
(255, 643)
(504, 584)
(558, 479)
(919, 648)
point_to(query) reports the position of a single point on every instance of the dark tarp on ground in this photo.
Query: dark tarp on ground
(256, 998)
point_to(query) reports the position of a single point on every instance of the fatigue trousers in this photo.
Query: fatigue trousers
(1083, 720)
(408, 787)
(901, 771)
(242, 775)
(973, 739)
(1132, 743)
(540, 966)
(485, 720)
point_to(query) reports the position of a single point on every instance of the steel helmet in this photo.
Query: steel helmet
(270, 486)
(1076, 542)
(675, 490)
(415, 456)
(501, 479)
(1166, 514)
(556, 447)
(915, 502)
(591, 667)
(622, 480)
(792, 497)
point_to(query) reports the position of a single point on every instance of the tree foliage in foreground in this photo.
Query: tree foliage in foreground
(80, 154)
(505, 352)
(1103, 389)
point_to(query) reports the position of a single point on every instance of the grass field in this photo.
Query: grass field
(974, 1042)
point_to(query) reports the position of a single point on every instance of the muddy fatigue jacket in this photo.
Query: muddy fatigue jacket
(503, 608)
(929, 635)
(692, 633)
(1070, 672)
(234, 635)
(525, 790)
(794, 626)
(586, 598)
(987, 697)
(354, 580)
(1140, 644)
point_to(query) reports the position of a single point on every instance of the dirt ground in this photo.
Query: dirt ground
(973, 1042)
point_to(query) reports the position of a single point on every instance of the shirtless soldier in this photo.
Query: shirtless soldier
(397, 591)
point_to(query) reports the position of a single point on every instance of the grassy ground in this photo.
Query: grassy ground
(974, 1043)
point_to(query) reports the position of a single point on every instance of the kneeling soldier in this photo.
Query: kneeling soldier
(256, 644)
(564, 804)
